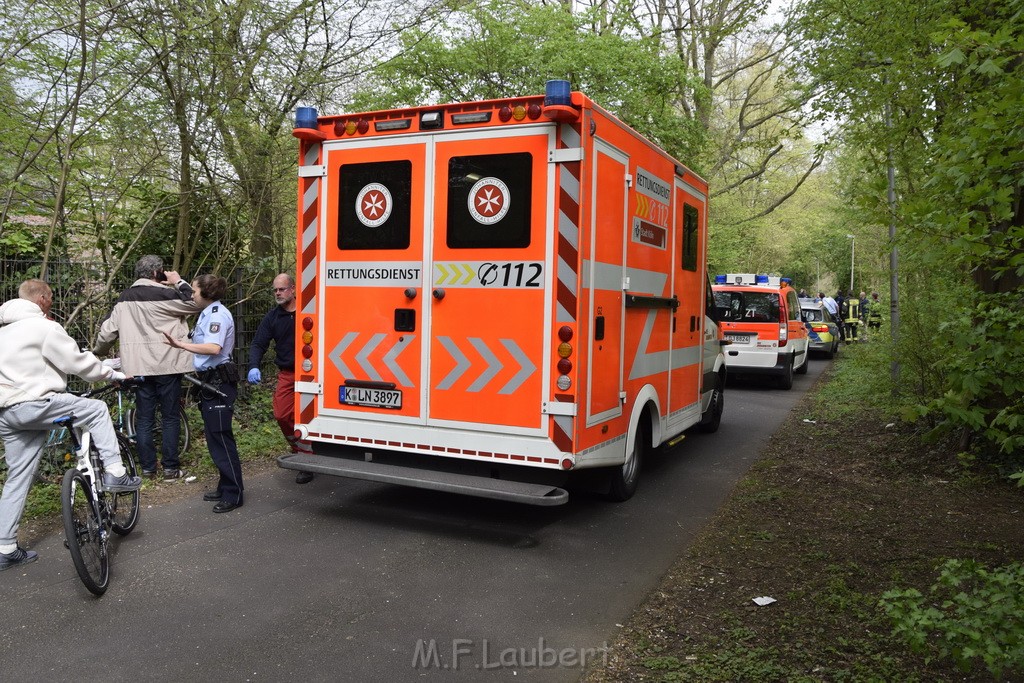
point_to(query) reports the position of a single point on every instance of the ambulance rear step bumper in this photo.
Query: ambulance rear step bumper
(451, 482)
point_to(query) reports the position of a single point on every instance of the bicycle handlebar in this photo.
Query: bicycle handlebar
(106, 388)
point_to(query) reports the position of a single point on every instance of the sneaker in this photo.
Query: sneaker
(17, 556)
(149, 474)
(122, 484)
(174, 475)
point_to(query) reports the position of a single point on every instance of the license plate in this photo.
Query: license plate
(375, 398)
(738, 338)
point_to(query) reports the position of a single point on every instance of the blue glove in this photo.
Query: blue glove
(255, 376)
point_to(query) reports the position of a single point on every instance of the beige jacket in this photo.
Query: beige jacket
(142, 313)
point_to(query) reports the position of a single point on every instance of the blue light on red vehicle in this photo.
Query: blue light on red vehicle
(557, 92)
(305, 117)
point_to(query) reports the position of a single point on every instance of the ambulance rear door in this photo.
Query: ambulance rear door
(435, 279)
(373, 251)
(490, 279)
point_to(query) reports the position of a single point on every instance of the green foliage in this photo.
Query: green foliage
(20, 243)
(503, 49)
(943, 104)
(984, 372)
(972, 614)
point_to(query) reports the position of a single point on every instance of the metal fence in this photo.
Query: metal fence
(82, 298)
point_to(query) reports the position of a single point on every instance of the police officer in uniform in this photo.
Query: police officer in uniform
(212, 342)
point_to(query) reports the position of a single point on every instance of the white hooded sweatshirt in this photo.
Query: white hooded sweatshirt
(37, 355)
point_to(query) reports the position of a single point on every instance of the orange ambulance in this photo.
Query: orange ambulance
(494, 295)
(763, 323)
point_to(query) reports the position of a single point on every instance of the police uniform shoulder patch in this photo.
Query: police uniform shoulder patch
(214, 327)
(215, 309)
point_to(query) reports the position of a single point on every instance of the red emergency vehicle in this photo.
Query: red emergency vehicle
(494, 295)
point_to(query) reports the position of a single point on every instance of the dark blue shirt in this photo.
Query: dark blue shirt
(277, 326)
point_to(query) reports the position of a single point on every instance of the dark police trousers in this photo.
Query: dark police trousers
(217, 415)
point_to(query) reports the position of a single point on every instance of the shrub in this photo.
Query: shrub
(972, 614)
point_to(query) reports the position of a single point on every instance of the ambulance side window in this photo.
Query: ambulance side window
(489, 198)
(794, 305)
(690, 221)
(374, 205)
(710, 309)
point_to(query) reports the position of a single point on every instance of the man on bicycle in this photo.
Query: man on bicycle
(38, 355)
(157, 302)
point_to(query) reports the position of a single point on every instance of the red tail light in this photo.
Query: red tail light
(819, 328)
(783, 326)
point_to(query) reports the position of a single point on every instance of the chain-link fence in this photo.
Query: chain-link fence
(82, 297)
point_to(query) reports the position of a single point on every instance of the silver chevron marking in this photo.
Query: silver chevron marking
(494, 365)
(363, 357)
(335, 355)
(526, 368)
(390, 356)
(461, 363)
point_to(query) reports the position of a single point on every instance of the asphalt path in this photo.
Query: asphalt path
(343, 580)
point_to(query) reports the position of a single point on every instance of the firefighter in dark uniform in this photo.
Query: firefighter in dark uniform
(212, 342)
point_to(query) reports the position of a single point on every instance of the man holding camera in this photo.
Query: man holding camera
(157, 302)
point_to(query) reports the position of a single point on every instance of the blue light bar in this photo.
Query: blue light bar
(557, 93)
(720, 280)
(305, 117)
(761, 279)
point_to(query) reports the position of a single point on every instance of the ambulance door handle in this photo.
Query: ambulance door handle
(439, 293)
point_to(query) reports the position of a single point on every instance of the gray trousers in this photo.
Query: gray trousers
(24, 428)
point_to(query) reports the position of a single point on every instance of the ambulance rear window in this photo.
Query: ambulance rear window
(489, 198)
(753, 307)
(374, 205)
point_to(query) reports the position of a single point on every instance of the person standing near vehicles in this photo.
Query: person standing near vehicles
(38, 355)
(833, 309)
(874, 313)
(851, 317)
(212, 342)
(278, 326)
(157, 302)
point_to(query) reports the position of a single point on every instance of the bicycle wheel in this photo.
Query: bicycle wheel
(83, 532)
(184, 434)
(124, 507)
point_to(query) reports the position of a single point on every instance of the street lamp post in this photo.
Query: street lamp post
(853, 243)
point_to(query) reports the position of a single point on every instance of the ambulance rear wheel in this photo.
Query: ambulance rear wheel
(624, 479)
(785, 380)
(712, 417)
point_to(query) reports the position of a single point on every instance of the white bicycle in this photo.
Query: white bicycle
(89, 512)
